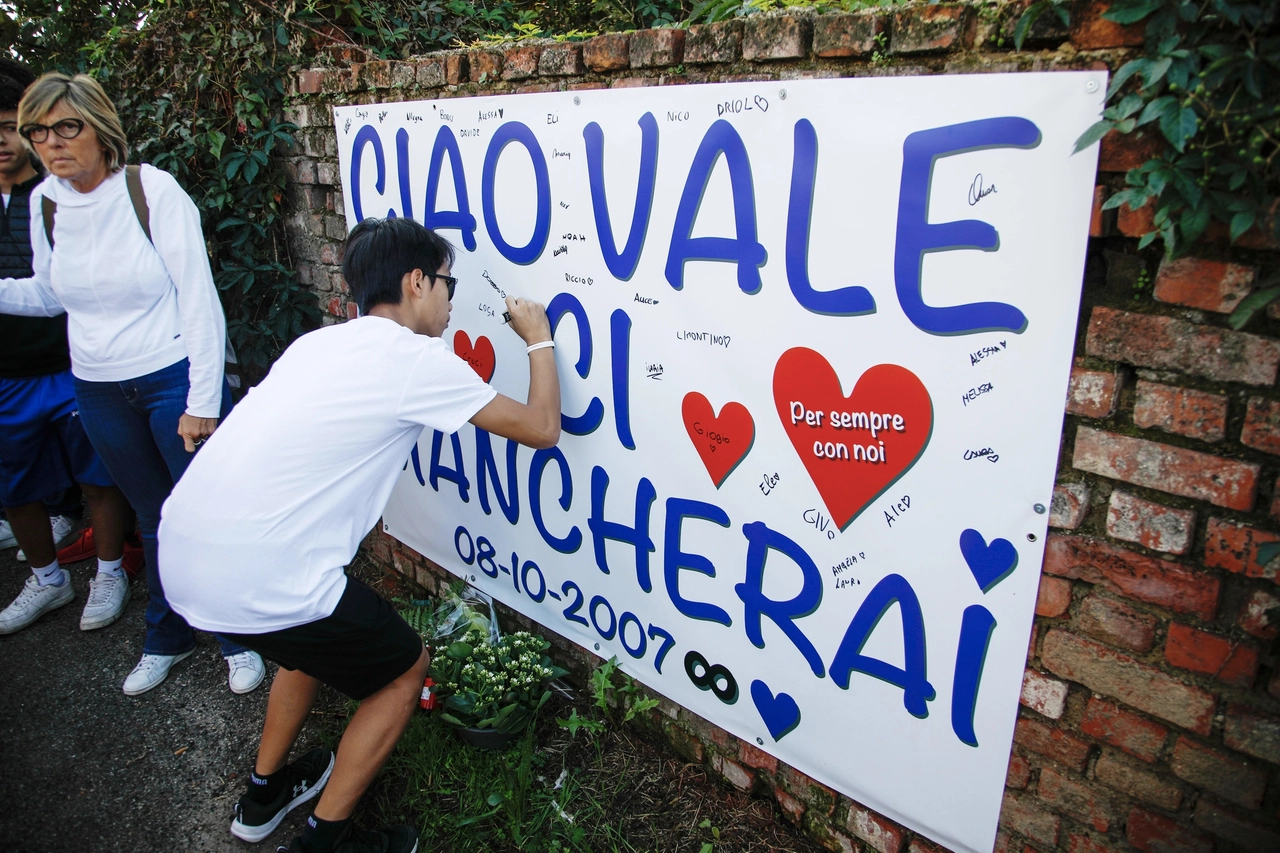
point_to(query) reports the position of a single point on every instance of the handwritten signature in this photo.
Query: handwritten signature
(977, 192)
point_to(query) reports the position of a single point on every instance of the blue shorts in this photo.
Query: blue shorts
(43, 447)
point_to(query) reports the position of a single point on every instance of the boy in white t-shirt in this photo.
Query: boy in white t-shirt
(255, 537)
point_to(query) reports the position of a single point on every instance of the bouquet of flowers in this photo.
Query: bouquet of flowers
(493, 684)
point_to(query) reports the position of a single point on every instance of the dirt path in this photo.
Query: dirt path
(86, 768)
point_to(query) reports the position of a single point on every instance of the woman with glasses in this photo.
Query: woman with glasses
(145, 326)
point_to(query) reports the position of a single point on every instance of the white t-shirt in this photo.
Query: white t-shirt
(255, 536)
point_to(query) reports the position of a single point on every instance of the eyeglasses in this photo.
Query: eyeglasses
(68, 128)
(450, 282)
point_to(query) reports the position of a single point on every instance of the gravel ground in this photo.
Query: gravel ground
(86, 768)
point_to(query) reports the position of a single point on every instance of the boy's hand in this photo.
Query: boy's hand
(529, 320)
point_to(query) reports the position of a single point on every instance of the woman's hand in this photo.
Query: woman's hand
(195, 430)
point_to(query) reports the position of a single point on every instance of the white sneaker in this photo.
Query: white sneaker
(246, 671)
(150, 671)
(108, 595)
(7, 539)
(61, 533)
(34, 601)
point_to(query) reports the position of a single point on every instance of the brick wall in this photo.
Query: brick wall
(1150, 714)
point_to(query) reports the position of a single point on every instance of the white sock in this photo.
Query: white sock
(50, 575)
(113, 568)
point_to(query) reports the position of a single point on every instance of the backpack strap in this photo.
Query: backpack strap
(133, 180)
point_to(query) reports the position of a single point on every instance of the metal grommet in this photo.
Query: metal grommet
(782, 94)
(1039, 508)
(576, 100)
(1091, 86)
(1031, 537)
(597, 647)
(760, 741)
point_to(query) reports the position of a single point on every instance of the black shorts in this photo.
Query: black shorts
(360, 648)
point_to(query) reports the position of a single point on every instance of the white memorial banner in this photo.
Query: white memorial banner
(814, 340)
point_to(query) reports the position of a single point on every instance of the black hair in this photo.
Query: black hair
(380, 251)
(14, 80)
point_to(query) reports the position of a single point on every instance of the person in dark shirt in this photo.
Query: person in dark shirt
(43, 447)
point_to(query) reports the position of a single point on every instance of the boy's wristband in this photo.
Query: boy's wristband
(543, 345)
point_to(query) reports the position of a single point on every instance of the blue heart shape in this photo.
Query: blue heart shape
(780, 713)
(990, 564)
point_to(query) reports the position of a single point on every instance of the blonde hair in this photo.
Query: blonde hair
(84, 95)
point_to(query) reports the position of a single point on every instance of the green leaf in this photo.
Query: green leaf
(216, 140)
(1241, 223)
(1131, 11)
(1252, 304)
(1093, 134)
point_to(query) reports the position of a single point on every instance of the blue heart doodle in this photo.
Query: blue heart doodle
(780, 713)
(990, 564)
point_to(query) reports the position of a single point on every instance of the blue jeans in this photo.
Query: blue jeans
(134, 427)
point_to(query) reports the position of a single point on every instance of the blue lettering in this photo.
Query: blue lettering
(514, 131)
(461, 218)
(402, 172)
(567, 303)
(486, 467)
(572, 542)
(761, 540)
(367, 135)
(623, 265)
(637, 536)
(456, 474)
(673, 559)
(620, 341)
(976, 629)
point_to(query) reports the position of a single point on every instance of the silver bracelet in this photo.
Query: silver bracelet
(543, 345)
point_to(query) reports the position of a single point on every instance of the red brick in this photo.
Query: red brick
(1042, 694)
(608, 52)
(719, 42)
(1077, 843)
(657, 48)
(1113, 674)
(1234, 547)
(308, 82)
(1139, 737)
(1135, 223)
(1136, 782)
(1231, 778)
(1070, 505)
(1092, 393)
(1151, 525)
(1052, 743)
(1097, 216)
(880, 833)
(733, 772)
(1253, 733)
(1091, 31)
(1161, 582)
(1208, 285)
(1253, 614)
(1121, 152)
(926, 29)
(768, 39)
(1224, 823)
(1262, 425)
(792, 809)
(1176, 470)
(1024, 818)
(457, 68)
(1019, 773)
(846, 35)
(1183, 411)
(518, 63)
(1116, 623)
(923, 845)
(1155, 833)
(559, 60)
(814, 794)
(1275, 500)
(757, 758)
(1171, 344)
(1226, 660)
(1054, 597)
(1076, 799)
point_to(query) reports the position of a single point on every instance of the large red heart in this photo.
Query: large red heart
(480, 357)
(722, 441)
(878, 433)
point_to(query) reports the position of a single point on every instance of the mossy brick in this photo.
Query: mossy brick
(1133, 575)
(813, 793)
(518, 63)
(1125, 730)
(487, 66)
(685, 743)
(608, 52)
(1144, 687)
(776, 38)
(1024, 816)
(338, 80)
(732, 772)
(1124, 271)
(756, 758)
(846, 36)
(1051, 742)
(1091, 31)
(1168, 343)
(1076, 798)
(560, 60)
(713, 43)
(1261, 429)
(1181, 411)
(792, 809)
(1069, 505)
(432, 73)
(879, 833)
(1150, 524)
(1242, 781)
(931, 29)
(377, 74)
(308, 82)
(1115, 623)
(1154, 833)
(1175, 470)
(1253, 732)
(1245, 833)
(658, 48)
(1123, 776)
(1255, 614)
(1019, 774)
(1080, 843)
(1092, 393)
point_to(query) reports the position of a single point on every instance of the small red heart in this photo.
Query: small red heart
(849, 465)
(480, 357)
(722, 441)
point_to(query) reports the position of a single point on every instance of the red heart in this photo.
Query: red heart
(850, 467)
(480, 357)
(722, 441)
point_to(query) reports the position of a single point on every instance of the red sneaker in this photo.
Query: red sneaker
(81, 549)
(134, 559)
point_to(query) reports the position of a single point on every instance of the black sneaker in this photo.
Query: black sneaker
(393, 839)
(307, 776)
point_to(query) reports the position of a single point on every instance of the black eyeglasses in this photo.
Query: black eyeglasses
(450, 282)
(68, 128)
